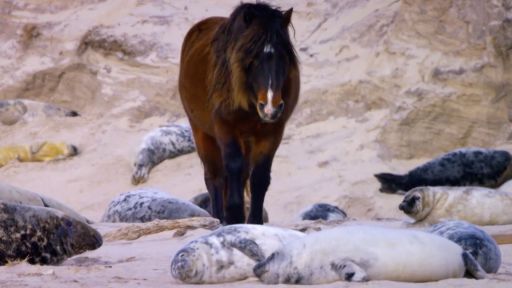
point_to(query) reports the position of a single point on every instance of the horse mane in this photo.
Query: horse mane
(236, 43)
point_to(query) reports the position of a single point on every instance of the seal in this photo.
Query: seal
(362, 253)
(147, 204)
(164, 143)
(42, 235)
(38, 152)
(15, 195)
(229, 253)
(473, 240)
(14, 111)
(477, 205)
(323, 211)
(463, 167)
(203, 200)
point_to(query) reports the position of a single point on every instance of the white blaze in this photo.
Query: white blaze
(268, 49)
(270, 95)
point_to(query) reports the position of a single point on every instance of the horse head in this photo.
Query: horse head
(259, 57)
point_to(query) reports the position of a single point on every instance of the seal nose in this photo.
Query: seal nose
(402, 206)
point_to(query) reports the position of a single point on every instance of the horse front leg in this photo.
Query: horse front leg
(259, 181)
(235, 166)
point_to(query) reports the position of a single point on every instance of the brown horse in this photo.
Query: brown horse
(239, 83)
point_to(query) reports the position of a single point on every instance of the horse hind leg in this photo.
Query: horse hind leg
(210, 156)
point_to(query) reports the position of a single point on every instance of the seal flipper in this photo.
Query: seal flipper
(391, 183)
(472, 267)
(250, 249)
(349, 271)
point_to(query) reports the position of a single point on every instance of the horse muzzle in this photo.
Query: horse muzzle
(268, 113)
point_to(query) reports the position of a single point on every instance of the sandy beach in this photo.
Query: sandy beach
(370, 102)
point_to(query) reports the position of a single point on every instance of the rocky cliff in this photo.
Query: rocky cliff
(440, 69)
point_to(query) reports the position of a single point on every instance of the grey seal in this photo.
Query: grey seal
(323, 211)
(229, 253)
(473, 240)
(362, 253)
(477, 205)
(42, 235)
(148, 204)
(16, 110)
(463, 167)
(163, 143)
(16, 195)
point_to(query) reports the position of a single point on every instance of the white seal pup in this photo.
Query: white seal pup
(473, 240)
(362, 253)
(42, 235)
(323, 211)
(164, 143)
(463, 167)
(14, 111)
(14, 195)
(229, 253)
(477, 205)
(147, 204)
(203, 200)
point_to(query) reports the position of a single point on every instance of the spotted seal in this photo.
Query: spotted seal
(323, 211)
(477, 205)
(163, 143)
(42, 235)
(148, 204)
(16, 110)
(463, 167)
(362, 253)
(473, 240)
(228, 253)
(38, 152)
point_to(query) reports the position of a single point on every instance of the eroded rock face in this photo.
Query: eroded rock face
(462, 96)
(440, 69)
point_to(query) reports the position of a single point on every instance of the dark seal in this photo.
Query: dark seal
(473, 240)
(42, 235)
(323, 211)
(463, 167)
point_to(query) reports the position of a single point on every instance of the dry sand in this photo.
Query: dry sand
(328, 159)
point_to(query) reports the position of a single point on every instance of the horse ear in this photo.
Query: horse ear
(287, 17)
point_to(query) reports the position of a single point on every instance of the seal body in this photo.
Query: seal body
(228, 253)
(323, 211)
(164, 143)
(463, 167)
(38, 152)
(42, 235)
(361, 253)
(477, 205)
(144, 205)
(14, 111)
(473, 240)
(14, 195)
